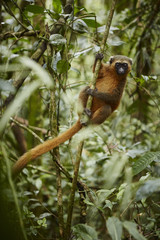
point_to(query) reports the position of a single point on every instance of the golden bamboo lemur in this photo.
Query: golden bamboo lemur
(106, 98)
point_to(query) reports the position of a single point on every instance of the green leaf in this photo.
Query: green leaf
(146, 78)
(114, 227)
(57, 6)
(63, 66)
(35, 9)
(144, 161)
(85, 232)
(115, 41)
(83, 52)
(102, 194)
(108, 204)
(57, 39)
(80, 26)
(6, 86)
(38, 183)
(88, 203)
(42, 222)
(44, 215)
(148, 188)
(91, 22)
(132, 229)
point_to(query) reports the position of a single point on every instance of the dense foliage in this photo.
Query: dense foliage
(47, 51)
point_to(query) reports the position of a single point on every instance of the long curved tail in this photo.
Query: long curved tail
(44, 147)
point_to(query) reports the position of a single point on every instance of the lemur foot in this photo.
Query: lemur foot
(99, 56)
(87, 112)
(91, 92)
(84, 119)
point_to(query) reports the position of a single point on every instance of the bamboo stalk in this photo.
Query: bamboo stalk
(73, 190)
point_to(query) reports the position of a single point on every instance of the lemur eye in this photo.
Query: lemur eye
(117, 64)
(125, 64)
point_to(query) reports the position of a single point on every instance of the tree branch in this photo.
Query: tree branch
(26, 33)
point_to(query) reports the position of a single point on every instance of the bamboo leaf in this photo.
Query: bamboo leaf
(144, 161)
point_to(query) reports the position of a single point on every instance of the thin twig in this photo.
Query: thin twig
(22, 14)
(23, 33)
(41, 170)
(5, 5)
(27, 129)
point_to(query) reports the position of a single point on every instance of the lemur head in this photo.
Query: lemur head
(121, 64)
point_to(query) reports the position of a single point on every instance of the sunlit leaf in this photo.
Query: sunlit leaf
(148, 189)
(84, 231)
(83, 52)
(114, 227)
(44, 215)
(6, 86)
(88, 203)
(115, 41)
(104, 193)
(42, 222)
(132, 229)
(38, 183)
(108, 204)
(57, 39)
(80, 26)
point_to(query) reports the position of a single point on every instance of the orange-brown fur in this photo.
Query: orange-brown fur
(107, 82)
(110, 87)
(45, 147)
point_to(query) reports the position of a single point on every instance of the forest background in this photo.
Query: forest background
(46, 55)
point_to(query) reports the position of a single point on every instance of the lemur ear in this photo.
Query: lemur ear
(130, 59)
(111, 59)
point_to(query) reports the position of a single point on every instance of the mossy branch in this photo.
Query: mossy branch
(55, 153)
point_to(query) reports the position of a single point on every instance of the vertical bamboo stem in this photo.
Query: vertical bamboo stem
(73, 189)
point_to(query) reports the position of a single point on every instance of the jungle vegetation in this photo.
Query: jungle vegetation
(46, 55)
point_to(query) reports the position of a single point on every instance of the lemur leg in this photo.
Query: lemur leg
(101, 114)
(82, 101)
